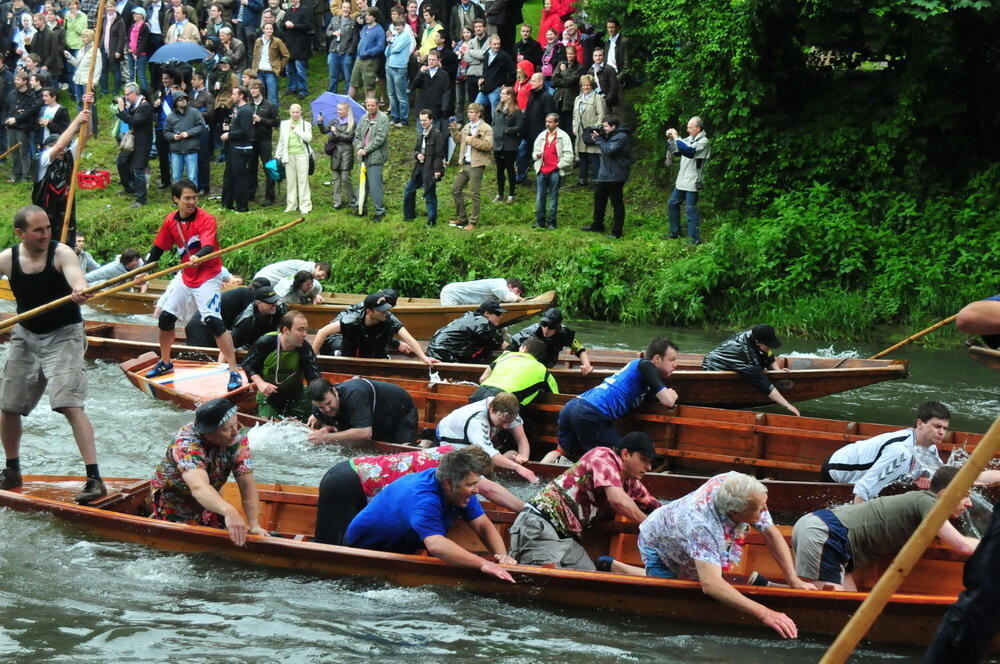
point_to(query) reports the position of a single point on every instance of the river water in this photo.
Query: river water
(69, 596)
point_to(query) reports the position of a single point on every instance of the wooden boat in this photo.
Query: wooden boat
(422, 316)
(807, 378)
(910, 616)
(986, 356)
(693, 439)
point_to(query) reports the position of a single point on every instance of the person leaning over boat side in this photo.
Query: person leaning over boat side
(367, 333)
(277, 364)
(830, 544)
(520, 373)
(604, 482)
(982, 318)
(474, 292)
(45, 351)
(186, 484)
(361, 409)
(588, 420)
(303, 288)
(700, 537)
(418, 510)
(471, 338)
(126, 261)
(193, 231)
(481, 423)
(348, 486)
(248, 313)
(275, 272)
(556, 336)
(749, 354)
(909, 455)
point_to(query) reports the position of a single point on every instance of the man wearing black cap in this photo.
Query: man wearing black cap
(749, 354)
(471, 338)
(366, 331)
(186, 484)
(603, 483)
(247, 313)
(52, 182)
(277, 364)
(555, 336)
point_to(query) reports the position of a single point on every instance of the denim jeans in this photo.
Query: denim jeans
(339, 66)
(430, 197)
(547, 186)
(184, 165)
(489, 101)
(399, 94)
(297, 76)
(690, 199)
(374, 188)
(137, 69)
(112, 68)
(523, 160)
(270, 81)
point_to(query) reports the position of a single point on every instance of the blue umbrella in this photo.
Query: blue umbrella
(327, 102)
(179, 52)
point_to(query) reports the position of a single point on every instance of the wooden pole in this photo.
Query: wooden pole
(10, 322)
(10, 149)
(868, 612)
(940, 323)
(85, 130)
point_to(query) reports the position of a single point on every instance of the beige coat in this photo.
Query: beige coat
(277, 52)
(303, 131)
(189, 33)
(481, 143)
(564, 148)
(588, 113)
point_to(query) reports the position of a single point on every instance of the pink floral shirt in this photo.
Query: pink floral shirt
(378, 472)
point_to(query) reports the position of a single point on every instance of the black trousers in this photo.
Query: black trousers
(262, 153)
(236, 188)
(967, 629)
(604, 192)
(163, 155)
(340, 499)
(505, 160)
(205, 161)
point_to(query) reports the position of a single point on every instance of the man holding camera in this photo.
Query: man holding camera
(695, 151)
(135, 111)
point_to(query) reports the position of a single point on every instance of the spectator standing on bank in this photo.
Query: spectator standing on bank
(616, 161)
(566, 81)
(112, 50)
(507, 125)
(183, 129)
(265, 119)
(400, 44)
(606, 81)
(202, 101)
(270, 55)
(695, 151)
(137, 48)
(434, 90)
(553, 154)
(474, 147)
(498, 71)
(371, 47)
(528, 48)
(239, 165)
(343, 34)
(22, 109)
(135, 111)
(293, 151)
(540, 104)
(246, 20)
(429, 156)
(588, 111)
(371, 140)
(298, 29)
(340, 147)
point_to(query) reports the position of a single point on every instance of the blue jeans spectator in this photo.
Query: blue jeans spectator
(374, 188)
(547, 187)
(399, 94)
(270, 81)
(297, 77)
(112, 68)
(522, 161)
(430, 198)
(690, 199)
(184, 165)
(339, 66)
(489, 101)
(137, 70)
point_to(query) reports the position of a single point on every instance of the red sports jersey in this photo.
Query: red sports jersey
(189, 237)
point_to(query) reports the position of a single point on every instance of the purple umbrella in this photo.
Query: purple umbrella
(326, 104)
(179, 52)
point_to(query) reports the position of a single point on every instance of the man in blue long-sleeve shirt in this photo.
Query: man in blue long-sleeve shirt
(371, 46)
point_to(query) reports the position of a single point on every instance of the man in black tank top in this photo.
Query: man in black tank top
(45, 351)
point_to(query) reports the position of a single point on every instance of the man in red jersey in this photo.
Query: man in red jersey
(192, 230)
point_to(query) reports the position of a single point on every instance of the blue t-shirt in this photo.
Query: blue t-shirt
(993, 298)
(621, 393)
(410, 509)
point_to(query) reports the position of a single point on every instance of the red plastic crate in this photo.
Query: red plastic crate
(93, 179)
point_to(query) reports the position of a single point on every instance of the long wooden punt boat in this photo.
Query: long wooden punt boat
(808, 378)
(289, 513)
(423, 316)
(986, 356)
(694, 439)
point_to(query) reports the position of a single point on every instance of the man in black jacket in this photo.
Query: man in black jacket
(265, 119)
(428, 166)
(528, 49)
(22, 110)
(540, 104)
(134, 110)
(616, 161)
(48, 46)
(248, 314)
(472, 338)
(498, 71)
(239, 134)
(297, 35)
(434, 90)
(111, 57)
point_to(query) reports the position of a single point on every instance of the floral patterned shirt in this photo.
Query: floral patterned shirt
(378, 472)
(172, 496)
(690, 529)
(574, 500)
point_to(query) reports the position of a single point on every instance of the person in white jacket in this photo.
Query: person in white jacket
(293, 151)
(553, 155)
(695, 151)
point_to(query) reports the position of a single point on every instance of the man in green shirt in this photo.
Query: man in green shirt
(277, 364)
(830, 544)
(520, 373)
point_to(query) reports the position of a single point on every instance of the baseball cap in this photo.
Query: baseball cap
(765, 334)
(266, 294)
(224, 60)
(637, 441)
(391, 296)
(180, 94)
(377, 302)
(213, 414)
(138, 10)
(552, 317)
(492, 307)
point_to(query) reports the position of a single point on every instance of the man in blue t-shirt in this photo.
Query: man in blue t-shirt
(588, 420)
(419, 509)
(982, 318)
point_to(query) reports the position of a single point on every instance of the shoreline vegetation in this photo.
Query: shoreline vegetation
(803, 252)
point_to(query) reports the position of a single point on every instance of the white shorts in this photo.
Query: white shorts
(184, 302)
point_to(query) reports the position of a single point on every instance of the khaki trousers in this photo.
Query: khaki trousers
(297, 182)
(466, 175)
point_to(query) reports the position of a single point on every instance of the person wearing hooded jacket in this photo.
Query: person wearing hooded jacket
(471, 338)
(182, 130)
(749, 354)
(616, 161)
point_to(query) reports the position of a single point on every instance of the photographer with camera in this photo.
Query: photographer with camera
(612, 173)
(136, 144)
(695, 151)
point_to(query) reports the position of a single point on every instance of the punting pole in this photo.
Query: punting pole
(10, 149)
(940, 323)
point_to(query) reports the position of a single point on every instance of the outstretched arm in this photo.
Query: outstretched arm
(441, 547)
(716, 587)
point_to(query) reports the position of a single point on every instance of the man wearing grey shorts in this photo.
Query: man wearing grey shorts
(45, 351)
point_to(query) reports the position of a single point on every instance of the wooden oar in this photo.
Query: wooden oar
(180, 266)
(31, 313)
(85, 130)
(940, 323)
(868, 612)
(10, 149)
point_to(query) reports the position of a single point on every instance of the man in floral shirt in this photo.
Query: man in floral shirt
(602, 483)
(187, 482)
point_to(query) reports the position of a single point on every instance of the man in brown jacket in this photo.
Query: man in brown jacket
(474, 152)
